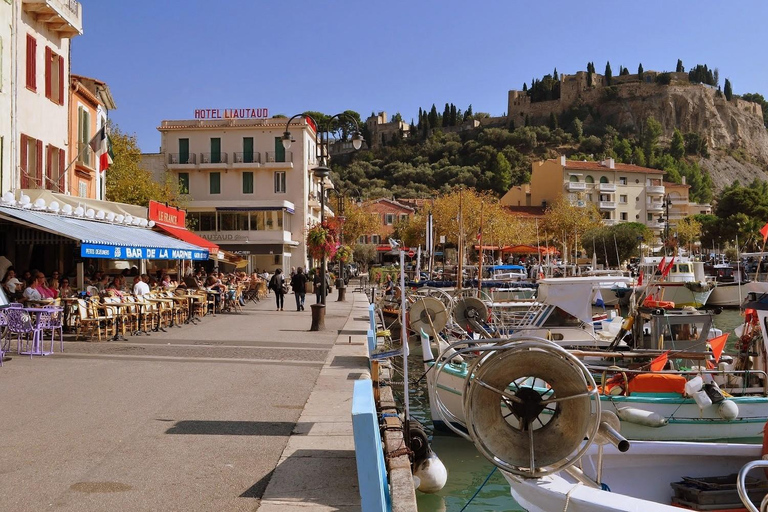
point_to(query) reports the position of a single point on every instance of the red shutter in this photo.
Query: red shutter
(48, 78)
(31, 62)
(24, 180)
(61, 80)
(39, 171)
(48, 166)
(62, 168)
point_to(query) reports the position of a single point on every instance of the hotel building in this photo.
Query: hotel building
(243, 190)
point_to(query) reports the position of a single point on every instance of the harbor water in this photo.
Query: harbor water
(467, 469)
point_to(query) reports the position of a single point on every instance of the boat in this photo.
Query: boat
(731, 286)
(684, 282)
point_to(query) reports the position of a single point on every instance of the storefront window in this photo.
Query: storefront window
(233, 221)
(202, 221)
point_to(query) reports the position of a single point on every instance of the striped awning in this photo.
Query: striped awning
(99, 239)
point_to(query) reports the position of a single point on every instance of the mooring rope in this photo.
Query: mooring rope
(479, 489)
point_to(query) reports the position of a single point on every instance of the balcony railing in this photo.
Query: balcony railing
(254, 157)
(606, 187)
(607, 205)
(609, 222)
(655, 189)
(213, 158)
(179, 159)
(271, 157)
(576, 185)
(654, 206)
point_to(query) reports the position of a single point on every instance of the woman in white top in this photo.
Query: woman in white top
(33, 289)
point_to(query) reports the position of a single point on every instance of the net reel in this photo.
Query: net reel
(469, 312)
(529, 405)
(428, 314)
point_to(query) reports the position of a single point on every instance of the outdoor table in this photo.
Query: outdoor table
(37, 340)
(160, 299)
(191, 298)
(118, 317)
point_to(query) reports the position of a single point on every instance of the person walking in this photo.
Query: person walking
(277, 285)
(299, 287)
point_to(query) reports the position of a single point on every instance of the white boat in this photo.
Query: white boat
(685, 284)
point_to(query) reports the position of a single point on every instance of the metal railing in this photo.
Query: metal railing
(254, 157)
(179, 159)
(213, 158)
(271, 157)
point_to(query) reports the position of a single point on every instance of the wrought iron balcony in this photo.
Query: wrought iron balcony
(253, 157)
(180, 159)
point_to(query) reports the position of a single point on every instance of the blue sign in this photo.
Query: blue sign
(140, 253)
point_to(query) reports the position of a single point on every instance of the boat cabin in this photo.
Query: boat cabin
(685, 329)
(507, 273)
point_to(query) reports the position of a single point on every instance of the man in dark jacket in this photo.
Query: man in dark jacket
(299, 286)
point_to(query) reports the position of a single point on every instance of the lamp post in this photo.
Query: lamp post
(321, 172)
(665, 219)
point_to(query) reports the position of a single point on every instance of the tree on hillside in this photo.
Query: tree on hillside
(433, 119)
(552, 121)
(501, 174)
(468, 114)
(525, 87)
(590, 71)
(554, 75)
(577, 128)
(127, 182)
(727, 90)
(649, 138)
(677, 146)
(640, 71)
(679, 68)
(716, 77)
(447, 115)
(624, 71)
(608, 74)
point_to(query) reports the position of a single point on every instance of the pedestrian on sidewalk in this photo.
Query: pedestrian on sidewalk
(299, 287)
(277, 284)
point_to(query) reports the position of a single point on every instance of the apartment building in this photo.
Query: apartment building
(245, 191)
(89, 105)
(680, 205)
(621, 192)
(388, 212)
(39, 92)
(7, 11)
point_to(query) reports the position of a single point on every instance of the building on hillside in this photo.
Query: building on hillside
(680, 205)
(383, 132)
(621, 192)
(244, 191)
(89, 104)
(39, 100)
(416, 203)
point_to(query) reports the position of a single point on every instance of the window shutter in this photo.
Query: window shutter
(48, 166)
(23, 163)
(48, 62)
(31, 63)
(39, 169)
(61, 182)
(61, 80)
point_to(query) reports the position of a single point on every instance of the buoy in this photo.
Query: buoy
(728, 410)
(431, 473)
(641, 417)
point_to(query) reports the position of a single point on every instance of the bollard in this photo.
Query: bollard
(318, 317)
(342, 293)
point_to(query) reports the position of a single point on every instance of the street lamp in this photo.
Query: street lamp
(665, 219)
(322, 173)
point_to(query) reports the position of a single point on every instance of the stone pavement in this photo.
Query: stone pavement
(203, 417)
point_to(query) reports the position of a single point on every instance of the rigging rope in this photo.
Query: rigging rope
(478, 489)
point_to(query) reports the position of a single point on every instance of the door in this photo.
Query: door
(248, 150)
(183, 151)
(279, 150)
(215, 150)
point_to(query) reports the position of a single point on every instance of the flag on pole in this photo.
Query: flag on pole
(640, 279)
(479, 234)
(668, 267)
(661, 264)
(764, 232)
(660, 362)
(99, 141)
(107, 157)
(718, 344)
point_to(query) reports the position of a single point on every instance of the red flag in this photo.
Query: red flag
(764, 232)
(718, 344)
(660, 362)
(640, 279)
(668, 267)
(479, 235)
(661, 264)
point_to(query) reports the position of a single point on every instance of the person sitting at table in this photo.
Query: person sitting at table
(166, 282)
(64, 288)
(141, 287)
(46, 291)
(214, 284)
(116, 288)
(102, 283)
(12, 284)
(32, 292)
(53, 285)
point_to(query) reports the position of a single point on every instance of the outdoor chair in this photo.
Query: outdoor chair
(21, 324)
(52, 321)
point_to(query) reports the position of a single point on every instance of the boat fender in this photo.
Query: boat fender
(702, 399)
(431, 473)
(728, 410)
(641, 417)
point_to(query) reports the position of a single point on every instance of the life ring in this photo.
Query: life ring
(662, 304)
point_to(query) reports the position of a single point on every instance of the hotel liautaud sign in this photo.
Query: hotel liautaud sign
(231, 113)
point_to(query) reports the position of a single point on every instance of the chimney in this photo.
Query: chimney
(683, 178)
(562, 160)
(611, 163)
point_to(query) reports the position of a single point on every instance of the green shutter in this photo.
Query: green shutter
(215, 150)
(183, 151)
(215, 183)
(279, 150)
(247, 183)
(248, 150)
(184, 182)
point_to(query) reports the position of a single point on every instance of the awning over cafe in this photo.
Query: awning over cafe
(188, 236)
(100, 239)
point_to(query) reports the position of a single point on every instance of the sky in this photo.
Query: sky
(163, 59)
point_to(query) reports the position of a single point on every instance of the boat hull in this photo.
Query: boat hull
(681, 294)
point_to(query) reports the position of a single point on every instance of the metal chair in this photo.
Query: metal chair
(52, 321)
(21, 324)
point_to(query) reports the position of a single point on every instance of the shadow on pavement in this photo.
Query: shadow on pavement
(232, 428)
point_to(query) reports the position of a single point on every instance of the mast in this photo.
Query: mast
(459, 268)
(480, 264)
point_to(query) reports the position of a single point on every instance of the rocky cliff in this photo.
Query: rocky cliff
(734, 130)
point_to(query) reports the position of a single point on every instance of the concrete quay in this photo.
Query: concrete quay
(244, 411)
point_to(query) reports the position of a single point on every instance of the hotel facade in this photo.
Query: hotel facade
(243, 190)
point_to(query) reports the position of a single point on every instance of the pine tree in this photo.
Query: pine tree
(454, 115)
(554, 75)
(727, 90)
(421, 114)
(577, 128)
(525, 87)
(640, 71)
(677, 146)
(679, 68)
(447, 115)
(624, 71)
(433, 117)
(552, 121)
(608, 74)
(468, 114)
(511, 125)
